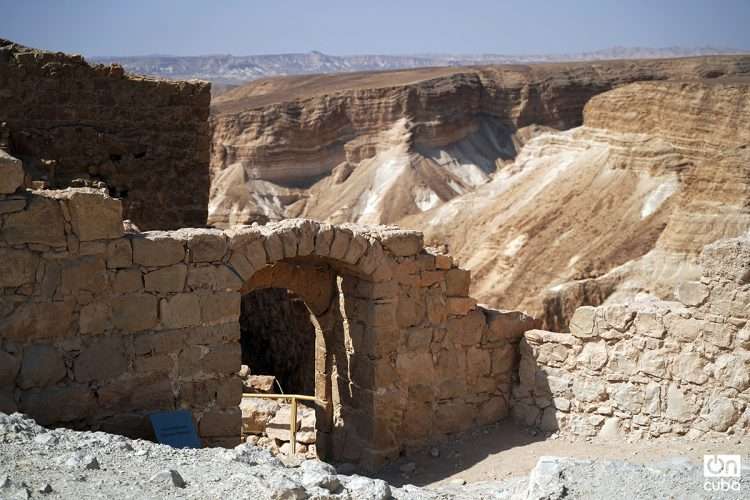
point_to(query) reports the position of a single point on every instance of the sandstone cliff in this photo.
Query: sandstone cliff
(374, 147)
(617, 209)
(493, 161)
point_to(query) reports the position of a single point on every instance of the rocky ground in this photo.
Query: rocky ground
(40, 463)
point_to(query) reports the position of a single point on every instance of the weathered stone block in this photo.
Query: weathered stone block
(167, 279)
(39, 320)
(443, 261)
(685, 329)
(718, 334)
(589, 389)
(142, 392)
(58, 404)
(689, 366)
(593, 355)
(42, 222)
(627, 397)
(415, 367)
(402, 243)
(722, 413)
(95, 317)
(653, 363)
(691, 293)
(582, 322)
(205, 245)
(180, 311)
(649, 324)
(11, 173)
(340, 245)
(220, 307)
(94, 215)
(157, 249)
(42, 366)
(417, 339)
(255, 253)
(624, 358)
(220, 423)
(477, 362)
(457, 282)
(119, 253)
(409, 312)
(127, 281)
(102, 359)
(323, 239)
(84, 274)
(733, 370)
(161, 363)
(680, 406)
(357, 248)
(17, 267)
(134, 313)
(256, 413)
(467, 330)
(273, 246)
(460, 306)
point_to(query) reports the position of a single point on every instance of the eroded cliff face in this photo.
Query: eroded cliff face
(616, 210)
(146, 140)
(375, 147)
(557, 185)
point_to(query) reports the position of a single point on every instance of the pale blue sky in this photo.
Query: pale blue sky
(192, 27)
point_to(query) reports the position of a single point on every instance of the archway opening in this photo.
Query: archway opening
(278, 336)
(278, 339)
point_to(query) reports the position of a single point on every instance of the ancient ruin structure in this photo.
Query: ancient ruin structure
(147, 140)
(648, 369)
(100, 327)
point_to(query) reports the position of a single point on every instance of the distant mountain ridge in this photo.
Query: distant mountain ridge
(229, 69)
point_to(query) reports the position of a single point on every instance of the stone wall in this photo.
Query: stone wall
(652, 368)
(99, 328)
(146, 139)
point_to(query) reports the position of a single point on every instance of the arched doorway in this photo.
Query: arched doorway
(277, 336)
(289, 316)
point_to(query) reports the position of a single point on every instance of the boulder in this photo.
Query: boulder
(278, 426)
(256, 413)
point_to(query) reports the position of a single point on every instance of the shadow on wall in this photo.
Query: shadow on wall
(278, 338)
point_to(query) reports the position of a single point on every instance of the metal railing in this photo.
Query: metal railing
(293, 418)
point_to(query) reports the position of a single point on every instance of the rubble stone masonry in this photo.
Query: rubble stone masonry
(98, 327)
(146, 139)
(648, 369)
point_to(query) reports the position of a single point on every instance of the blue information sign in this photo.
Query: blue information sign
(175, 428)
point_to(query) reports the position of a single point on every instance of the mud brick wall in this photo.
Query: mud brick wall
(649, 369)
(99, 328)
(146, 139)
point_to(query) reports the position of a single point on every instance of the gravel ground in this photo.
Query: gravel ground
(40, 463)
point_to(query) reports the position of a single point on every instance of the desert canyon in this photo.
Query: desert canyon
(557, 185)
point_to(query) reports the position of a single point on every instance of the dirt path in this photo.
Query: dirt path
(506, 450)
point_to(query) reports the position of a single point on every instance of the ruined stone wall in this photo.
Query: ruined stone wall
(99, 328)
(652, 368)
(147, 140)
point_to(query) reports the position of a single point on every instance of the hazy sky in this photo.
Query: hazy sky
(192, 27)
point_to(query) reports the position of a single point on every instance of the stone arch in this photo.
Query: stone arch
(336, 271)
